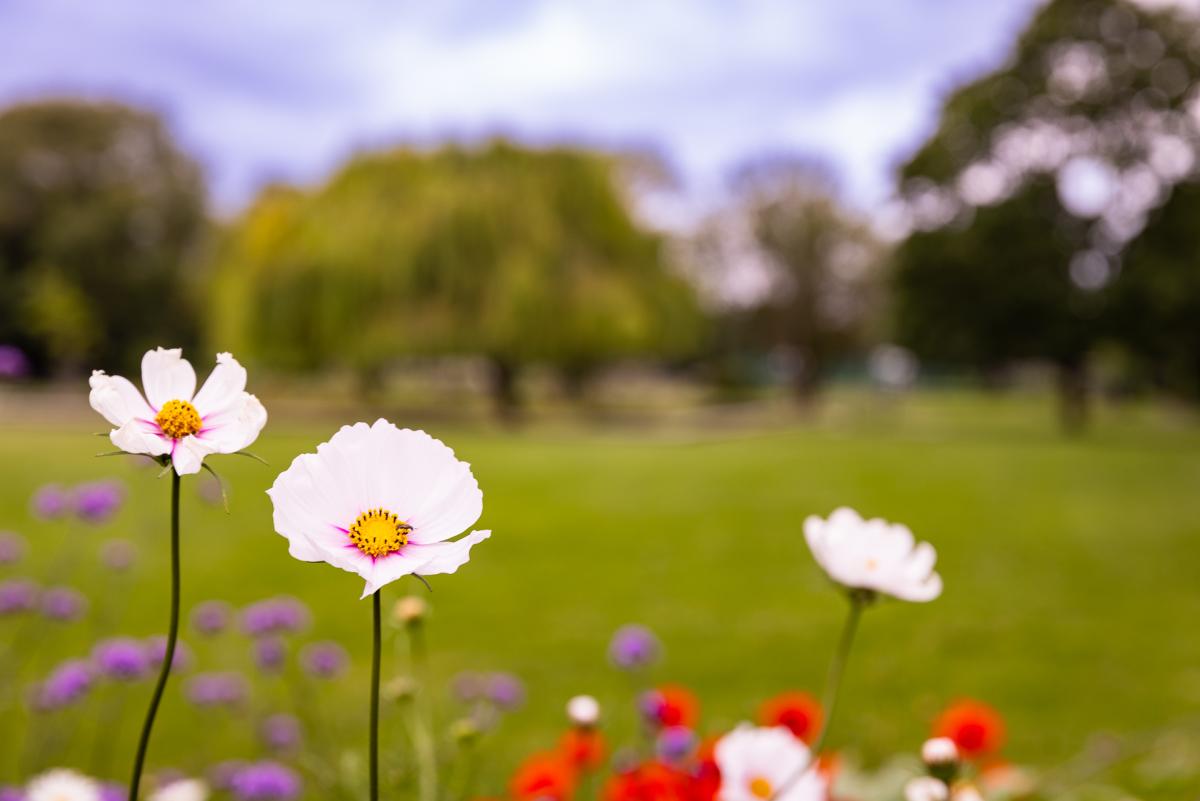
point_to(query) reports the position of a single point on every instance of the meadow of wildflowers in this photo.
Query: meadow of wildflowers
(272, 681)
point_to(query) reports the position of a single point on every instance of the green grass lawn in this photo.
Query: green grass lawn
(1071, 567)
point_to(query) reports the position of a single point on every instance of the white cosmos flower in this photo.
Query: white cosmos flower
(181, 790)
(173, 419)
(62, 784)
(379, 501)
(873, 555)
(765, 764)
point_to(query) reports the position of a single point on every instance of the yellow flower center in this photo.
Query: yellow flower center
(378, 532)
(761, 788)
(178, 419)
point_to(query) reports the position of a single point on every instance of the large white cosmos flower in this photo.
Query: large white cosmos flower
(174, 420)
(766, 764)
(379, 501)
(873, 555)
(62, 784)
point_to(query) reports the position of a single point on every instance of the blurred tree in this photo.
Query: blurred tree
(98, 214)
(523, 256)
(812, 267)
(1037, 179)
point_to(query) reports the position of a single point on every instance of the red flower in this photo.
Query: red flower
(706, 777)
(976, 728)
(672, 705)
(799, 712)
(543, 776)
(582, 748)
(650, 781)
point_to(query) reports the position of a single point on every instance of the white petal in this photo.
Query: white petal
(139, 436)
(235, 426)
(223, 388)
(167, 376)
(387, 569)
(189, 454)
(117, 399)
(446, 557)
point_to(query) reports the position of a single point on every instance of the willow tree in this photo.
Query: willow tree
(521, 256)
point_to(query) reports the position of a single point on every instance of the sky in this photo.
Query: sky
(288, 89)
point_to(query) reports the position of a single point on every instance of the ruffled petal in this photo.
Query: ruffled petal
(188, 454)
(140, 436)
(167, 376)
(224, 387)
(235, 426)
(117, 399)
(446, 557)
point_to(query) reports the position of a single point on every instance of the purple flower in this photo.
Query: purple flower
(121, 659)
(270, 654)
(12, 547)
(468, 686)
(156, 651)
(633, 647)
(209, 690)
(118, 555)
(280, 733)
(17, 595)
(505, 691)
(674, 743)
(325, 660)
(13, 362)
(10, 793)
(282, 615)
(63, 604)
(98, 501)
(50, 502)
(265, 781)
(66, 684)
(113, 791)
(211, 617)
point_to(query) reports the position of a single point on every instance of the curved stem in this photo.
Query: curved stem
(374, 734)
(168, 657)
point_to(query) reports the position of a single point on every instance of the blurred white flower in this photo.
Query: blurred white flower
(939, 751)
(62, 784)
(766, 764)
(172, 419)
(926, 788)
(379, 501)
(966, 792)
(873, 555)
(583, 710)
(181, 790)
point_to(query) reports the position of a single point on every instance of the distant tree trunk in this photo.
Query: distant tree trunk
(576, 379)
(502, 378)
(1073, 400)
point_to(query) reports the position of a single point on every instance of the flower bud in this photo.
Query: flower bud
(411, 610)
(464, 731)
(940, 756)
(401, 689)
(966, 792)
(926, 788)
(584, 711)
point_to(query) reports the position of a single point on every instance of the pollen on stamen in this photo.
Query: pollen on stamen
(178, 419)
(378, 532)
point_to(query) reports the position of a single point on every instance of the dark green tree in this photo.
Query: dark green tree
(522, 256)
(99, 214)
(1039, 176)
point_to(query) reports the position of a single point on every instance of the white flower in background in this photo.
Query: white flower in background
(583, 710)
(966, 792)
(173, 420)
(939, 751)
(62, 784)
(873, 555)
(926, 788)
(379, 501)
(767, 764)
(181, 790)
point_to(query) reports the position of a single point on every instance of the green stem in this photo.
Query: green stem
(169, 657)
(837, 668)
(423, 742)
(377, 640)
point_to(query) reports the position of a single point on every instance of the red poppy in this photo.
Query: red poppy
(976, 728)
(650, 781)
(583, 748)
(675, 706)
(706, 776)
(799, 712)
(543, 776)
